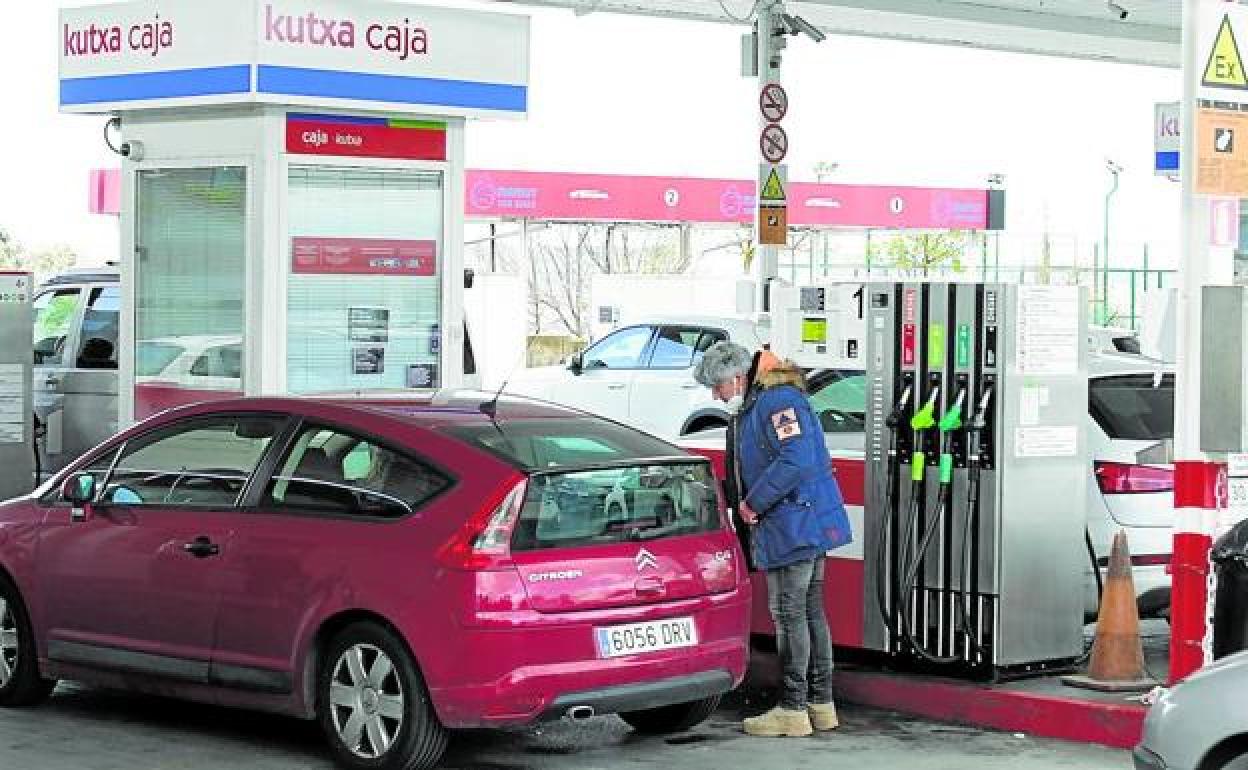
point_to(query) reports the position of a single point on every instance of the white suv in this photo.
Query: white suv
(642, 374)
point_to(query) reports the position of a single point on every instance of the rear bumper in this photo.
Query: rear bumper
(536, 693)
(540, 667)
(644, 695)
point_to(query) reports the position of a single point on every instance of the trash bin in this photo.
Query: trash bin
(1230, 608)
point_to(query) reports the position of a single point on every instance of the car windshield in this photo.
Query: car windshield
(151, 358)
(548, 444)
(641, 502)
(1137, 407)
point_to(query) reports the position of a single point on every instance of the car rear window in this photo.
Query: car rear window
(574, 442)
(1138, 407)
(613, 505)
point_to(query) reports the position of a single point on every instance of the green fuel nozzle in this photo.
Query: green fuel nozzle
(953, 415)
(925, 418)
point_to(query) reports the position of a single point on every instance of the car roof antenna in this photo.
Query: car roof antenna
(490, 408)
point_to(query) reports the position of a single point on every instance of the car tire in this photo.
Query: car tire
(373, 705)
(21, 684)
(671, 719)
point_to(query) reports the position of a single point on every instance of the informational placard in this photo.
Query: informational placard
(368, 360)
(1048, 335)
(368, 324)
(1237, 486)
(362, 256)
(13, 409)
(1046, 441)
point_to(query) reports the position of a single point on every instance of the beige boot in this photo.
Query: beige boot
(823, 716)
(780, 722)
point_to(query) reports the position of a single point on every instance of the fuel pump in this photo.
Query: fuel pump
(976, 562)
(16, 407)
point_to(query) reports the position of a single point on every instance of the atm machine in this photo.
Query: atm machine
(975, 459)
(16, 408)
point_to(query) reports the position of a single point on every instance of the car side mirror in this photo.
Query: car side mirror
(576, 364)
(79, 489)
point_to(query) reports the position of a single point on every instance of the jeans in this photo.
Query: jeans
(795, 596)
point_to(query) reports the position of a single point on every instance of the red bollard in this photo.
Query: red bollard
(1199, 491)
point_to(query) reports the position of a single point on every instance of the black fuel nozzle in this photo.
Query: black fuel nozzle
(898, 414)
(979, 420)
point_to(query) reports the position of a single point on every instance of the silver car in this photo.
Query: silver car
(76, 323)
(1201, 723)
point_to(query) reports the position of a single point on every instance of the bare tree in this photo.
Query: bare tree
(43, 263)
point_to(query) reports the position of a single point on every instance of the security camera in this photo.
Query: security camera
(1118, 11)
(795, 25)
(132, 150)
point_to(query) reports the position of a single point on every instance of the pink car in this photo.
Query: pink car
(392, 568)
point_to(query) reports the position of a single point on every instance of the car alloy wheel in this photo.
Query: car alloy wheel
(366, 701)
(10, 647)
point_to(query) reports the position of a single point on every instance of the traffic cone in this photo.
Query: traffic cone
(1117, 663)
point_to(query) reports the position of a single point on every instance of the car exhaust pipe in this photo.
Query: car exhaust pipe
(580, 713)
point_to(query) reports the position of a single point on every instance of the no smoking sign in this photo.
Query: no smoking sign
(773, 103)
(773, 143)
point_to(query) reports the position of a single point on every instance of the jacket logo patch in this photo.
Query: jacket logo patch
(786, 424)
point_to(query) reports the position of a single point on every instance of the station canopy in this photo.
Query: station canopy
(1083, 29)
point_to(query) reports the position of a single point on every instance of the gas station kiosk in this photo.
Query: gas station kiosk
(292, 178)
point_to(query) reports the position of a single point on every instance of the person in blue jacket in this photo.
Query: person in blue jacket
(781, 486)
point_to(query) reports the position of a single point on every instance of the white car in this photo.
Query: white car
(1131, 410)
(195, 361)
(642, 374)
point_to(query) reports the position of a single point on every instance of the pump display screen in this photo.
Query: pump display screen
(815, 331)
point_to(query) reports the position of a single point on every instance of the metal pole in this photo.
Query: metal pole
(1195, 473)
(1103, 299)
(767, 257)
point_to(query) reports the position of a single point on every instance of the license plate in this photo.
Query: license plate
(635, 638)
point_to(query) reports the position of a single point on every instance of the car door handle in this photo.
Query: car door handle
(202, 548)
(615, 386)
(690, 386)
(650, 587)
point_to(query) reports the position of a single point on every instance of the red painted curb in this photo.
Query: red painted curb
(1107, 724)
(993, 707)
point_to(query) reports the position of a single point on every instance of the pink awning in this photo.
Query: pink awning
(618, 198)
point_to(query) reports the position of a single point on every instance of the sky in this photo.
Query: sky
(624, 94)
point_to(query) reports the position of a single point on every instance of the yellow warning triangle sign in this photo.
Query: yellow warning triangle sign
(772, 189)
(1225, 68)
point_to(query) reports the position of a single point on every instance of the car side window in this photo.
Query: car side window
(98, 346)
(328, 471)
(202, 463)
(619, 350)
(841, 404)
(55, 313)
(676, 347)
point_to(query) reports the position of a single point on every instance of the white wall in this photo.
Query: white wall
(495, 308)
(634, 296)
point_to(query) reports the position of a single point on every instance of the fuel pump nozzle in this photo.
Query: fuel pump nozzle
(899, 409)
(926, 416)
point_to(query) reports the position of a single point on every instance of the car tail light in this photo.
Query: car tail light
(1125, 478)
(484, 542)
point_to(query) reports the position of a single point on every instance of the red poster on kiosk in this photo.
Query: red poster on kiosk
(362, 256)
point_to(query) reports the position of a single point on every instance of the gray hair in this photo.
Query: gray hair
(721, 362)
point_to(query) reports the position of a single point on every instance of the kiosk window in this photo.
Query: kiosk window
(189, 276)
(363, 296)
